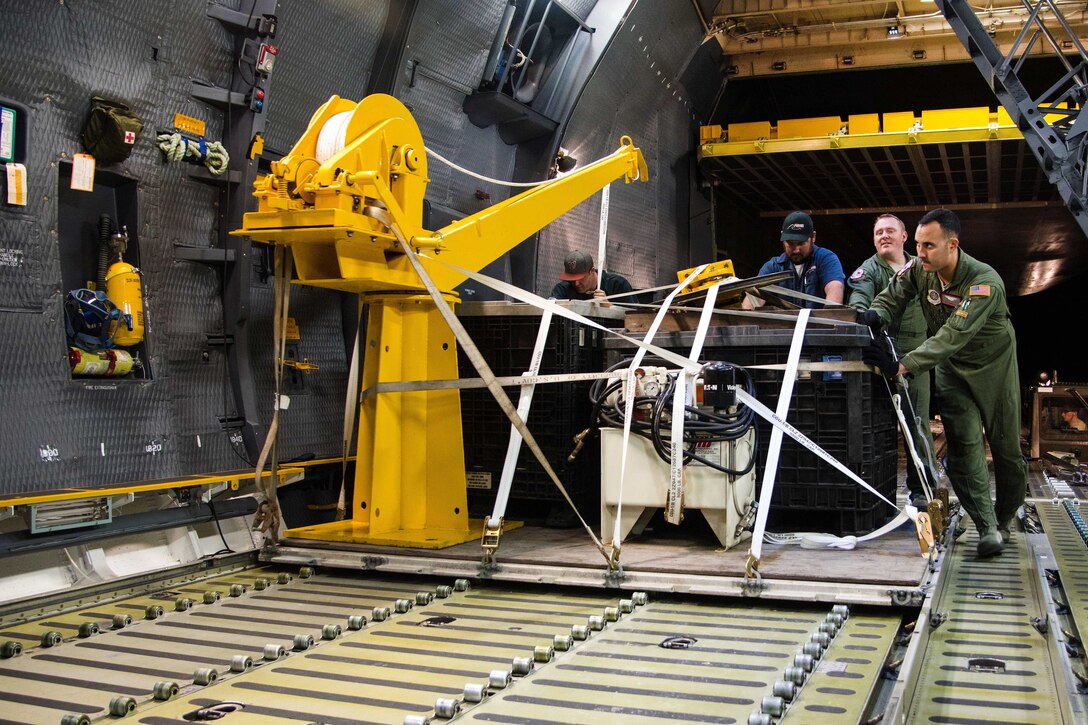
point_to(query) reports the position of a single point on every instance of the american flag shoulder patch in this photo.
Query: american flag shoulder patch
(980, 290)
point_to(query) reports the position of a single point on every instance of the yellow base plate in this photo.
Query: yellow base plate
(351, 532)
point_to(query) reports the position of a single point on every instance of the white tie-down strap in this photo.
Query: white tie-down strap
(507, 381)
(525, 402)
(629, 401)
(602, 234)
(351, 409)
(268, 514)
(781, 425)
(545, 304)
(770, 469)
(815, 540)
(685, 385)
(908, 439)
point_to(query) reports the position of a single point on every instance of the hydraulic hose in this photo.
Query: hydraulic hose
(653, 414)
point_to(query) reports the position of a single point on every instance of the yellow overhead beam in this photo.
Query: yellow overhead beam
(947, 125)
(991, 132)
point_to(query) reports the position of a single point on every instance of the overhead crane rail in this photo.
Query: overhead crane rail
(949, 125)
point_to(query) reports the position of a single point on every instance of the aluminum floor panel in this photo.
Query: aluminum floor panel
(986, 663)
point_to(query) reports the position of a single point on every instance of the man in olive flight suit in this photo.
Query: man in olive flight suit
(869, 280)
(972, 346)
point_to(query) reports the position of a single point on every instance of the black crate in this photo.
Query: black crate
(559, 411)
(850, 416)
(840, 522)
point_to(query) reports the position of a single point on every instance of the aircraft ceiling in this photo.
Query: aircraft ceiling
(840, 58)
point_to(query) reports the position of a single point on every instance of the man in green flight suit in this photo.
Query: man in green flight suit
(972, 348)
(869, 280)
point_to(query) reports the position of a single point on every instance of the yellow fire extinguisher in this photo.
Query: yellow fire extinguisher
(125, 290)
(107, 363)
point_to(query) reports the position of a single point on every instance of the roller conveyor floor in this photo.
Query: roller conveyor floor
(526, 655)
(997, 641)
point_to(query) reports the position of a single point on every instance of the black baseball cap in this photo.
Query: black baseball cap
(797, 227)
(576, 265)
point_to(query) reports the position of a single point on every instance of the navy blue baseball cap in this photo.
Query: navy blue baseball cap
(797, 227)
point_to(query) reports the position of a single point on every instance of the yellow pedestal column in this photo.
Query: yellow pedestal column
(410, 465)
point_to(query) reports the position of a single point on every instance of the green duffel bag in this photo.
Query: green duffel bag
(110, 132)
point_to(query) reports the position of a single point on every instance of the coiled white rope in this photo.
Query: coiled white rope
(177, 147)
(481, 177)
(474, 175)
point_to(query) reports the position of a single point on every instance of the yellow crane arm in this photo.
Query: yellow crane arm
(357, 155)
(479, 239)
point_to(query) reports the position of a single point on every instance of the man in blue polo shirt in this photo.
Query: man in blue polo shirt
(816, 271)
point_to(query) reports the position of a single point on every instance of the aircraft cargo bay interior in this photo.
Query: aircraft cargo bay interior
(543, 361)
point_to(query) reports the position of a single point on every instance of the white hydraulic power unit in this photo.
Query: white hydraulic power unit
(719, 444)
(724, 500)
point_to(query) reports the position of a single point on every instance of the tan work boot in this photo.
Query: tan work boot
(990, 543)
(1005, 529)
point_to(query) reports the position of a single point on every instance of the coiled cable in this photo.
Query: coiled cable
(653, 418)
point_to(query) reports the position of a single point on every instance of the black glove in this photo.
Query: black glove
(878, 356)
(870, 319)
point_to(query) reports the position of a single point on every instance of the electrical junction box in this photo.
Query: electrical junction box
(724, 500)
(266, 58)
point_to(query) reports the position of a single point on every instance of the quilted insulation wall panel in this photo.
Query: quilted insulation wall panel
(634, 91)
(54, 56)
(450, 40)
